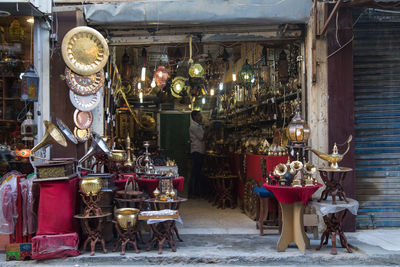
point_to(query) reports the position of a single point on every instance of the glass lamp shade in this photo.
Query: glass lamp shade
(28, 127)
(161, 76)
(30, 86)
(246, 74)
(196, 70)
(178, 84)
(297, 130)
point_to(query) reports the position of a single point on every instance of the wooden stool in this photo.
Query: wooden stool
(264, 198)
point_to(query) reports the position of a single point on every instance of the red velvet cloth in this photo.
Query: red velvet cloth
(55, 246)
(121, 181)
(253, 163)
(57, 207)
(149, 185)
(289, 194)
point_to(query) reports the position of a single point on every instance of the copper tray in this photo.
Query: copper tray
(83, 119)
(85, 103)
(84, 84)
(84, 50)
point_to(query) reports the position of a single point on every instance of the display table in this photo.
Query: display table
(223, 187)
(333, 215)
(174, 204)
(149, 185)
(57, 206)
(333, 179)
(292, 201)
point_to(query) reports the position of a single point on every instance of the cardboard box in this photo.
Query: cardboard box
(19, 251)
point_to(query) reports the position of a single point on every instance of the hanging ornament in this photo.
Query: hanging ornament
(28, 128)
(30, 85)
(246, 74)
(161, 76)
(196, 70)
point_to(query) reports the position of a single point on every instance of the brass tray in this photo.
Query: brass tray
(84, 50)
(83, 119)
(84, 84)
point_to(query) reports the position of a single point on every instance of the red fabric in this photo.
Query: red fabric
(55, 246)
(149, 185)
(289, 194)
(121, 181)
(57, 206)
(253, 163)
(237, 167)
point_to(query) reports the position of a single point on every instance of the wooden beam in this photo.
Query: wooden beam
(334, 11)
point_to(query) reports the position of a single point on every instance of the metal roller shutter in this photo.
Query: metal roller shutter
(376, 48)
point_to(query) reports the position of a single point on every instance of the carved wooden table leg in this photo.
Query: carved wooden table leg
(293, 227)
(162, 232)
(94, 235)
(126, 236)
(333, 228)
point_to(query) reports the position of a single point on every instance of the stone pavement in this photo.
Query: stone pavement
(239, 250)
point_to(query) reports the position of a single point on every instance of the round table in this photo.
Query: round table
(292, 201)
(333, 215)
(333, 179)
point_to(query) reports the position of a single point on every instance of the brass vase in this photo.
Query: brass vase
(90, 185)
(125, 216)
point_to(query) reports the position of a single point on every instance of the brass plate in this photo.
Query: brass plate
(82, 135)
(85, 103)
(84, 84)
(84, 50)
(83, 119)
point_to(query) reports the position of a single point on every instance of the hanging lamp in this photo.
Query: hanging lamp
(246, 74)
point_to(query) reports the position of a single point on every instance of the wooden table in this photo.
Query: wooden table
(292, 201)
(223, 185)
(333, 215)
(333, 179)
(172, 205)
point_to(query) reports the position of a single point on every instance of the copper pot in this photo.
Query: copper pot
(126, 215)
(90, 185)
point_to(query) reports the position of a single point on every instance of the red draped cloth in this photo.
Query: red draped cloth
(149, 185)
(290, 195)
(253, 165)
(57, 207)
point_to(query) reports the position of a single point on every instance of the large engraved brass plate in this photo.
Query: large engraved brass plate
(84, 50)
(84, 84)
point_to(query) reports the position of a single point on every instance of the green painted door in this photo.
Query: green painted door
(174, 139)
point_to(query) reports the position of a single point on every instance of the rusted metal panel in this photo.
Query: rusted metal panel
(377, 117)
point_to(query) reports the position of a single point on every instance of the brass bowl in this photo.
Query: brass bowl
(126, 215)
(90, 185)
(117, 155)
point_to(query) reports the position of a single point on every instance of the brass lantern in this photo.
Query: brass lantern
(246, 73)
(28, 128)
(298, 131)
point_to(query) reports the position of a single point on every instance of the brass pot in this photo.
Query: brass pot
(126, 215)
(90, 185)
(117, 155)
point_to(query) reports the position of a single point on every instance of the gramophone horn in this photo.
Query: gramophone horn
(97, 144)
(52, 136)
(310, 168)
(296, 165)
(280, 169)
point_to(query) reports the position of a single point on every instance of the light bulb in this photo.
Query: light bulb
(141, 97)
(143, 76)
(212, 91)
(31, 20)
(253, 80)
(178, 87)
(160, 74)
(221, 86)
(234, 77)
(139, 85)
(203, 100)
(246, 76)
(190, 106)
(153, 83)
(196, 71)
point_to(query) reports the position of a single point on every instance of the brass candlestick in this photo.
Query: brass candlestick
(128, 162)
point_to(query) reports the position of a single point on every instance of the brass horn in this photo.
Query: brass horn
(52, 136)
(295, 166)
(310, 168)
(280, 169)
(97, 145)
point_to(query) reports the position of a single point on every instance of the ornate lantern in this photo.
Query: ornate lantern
(196, 70)
(28, 128)
(161, 76)
(30, 86)
(246, 74)
(298, 131)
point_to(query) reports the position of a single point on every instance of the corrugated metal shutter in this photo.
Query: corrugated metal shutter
(377, 117)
